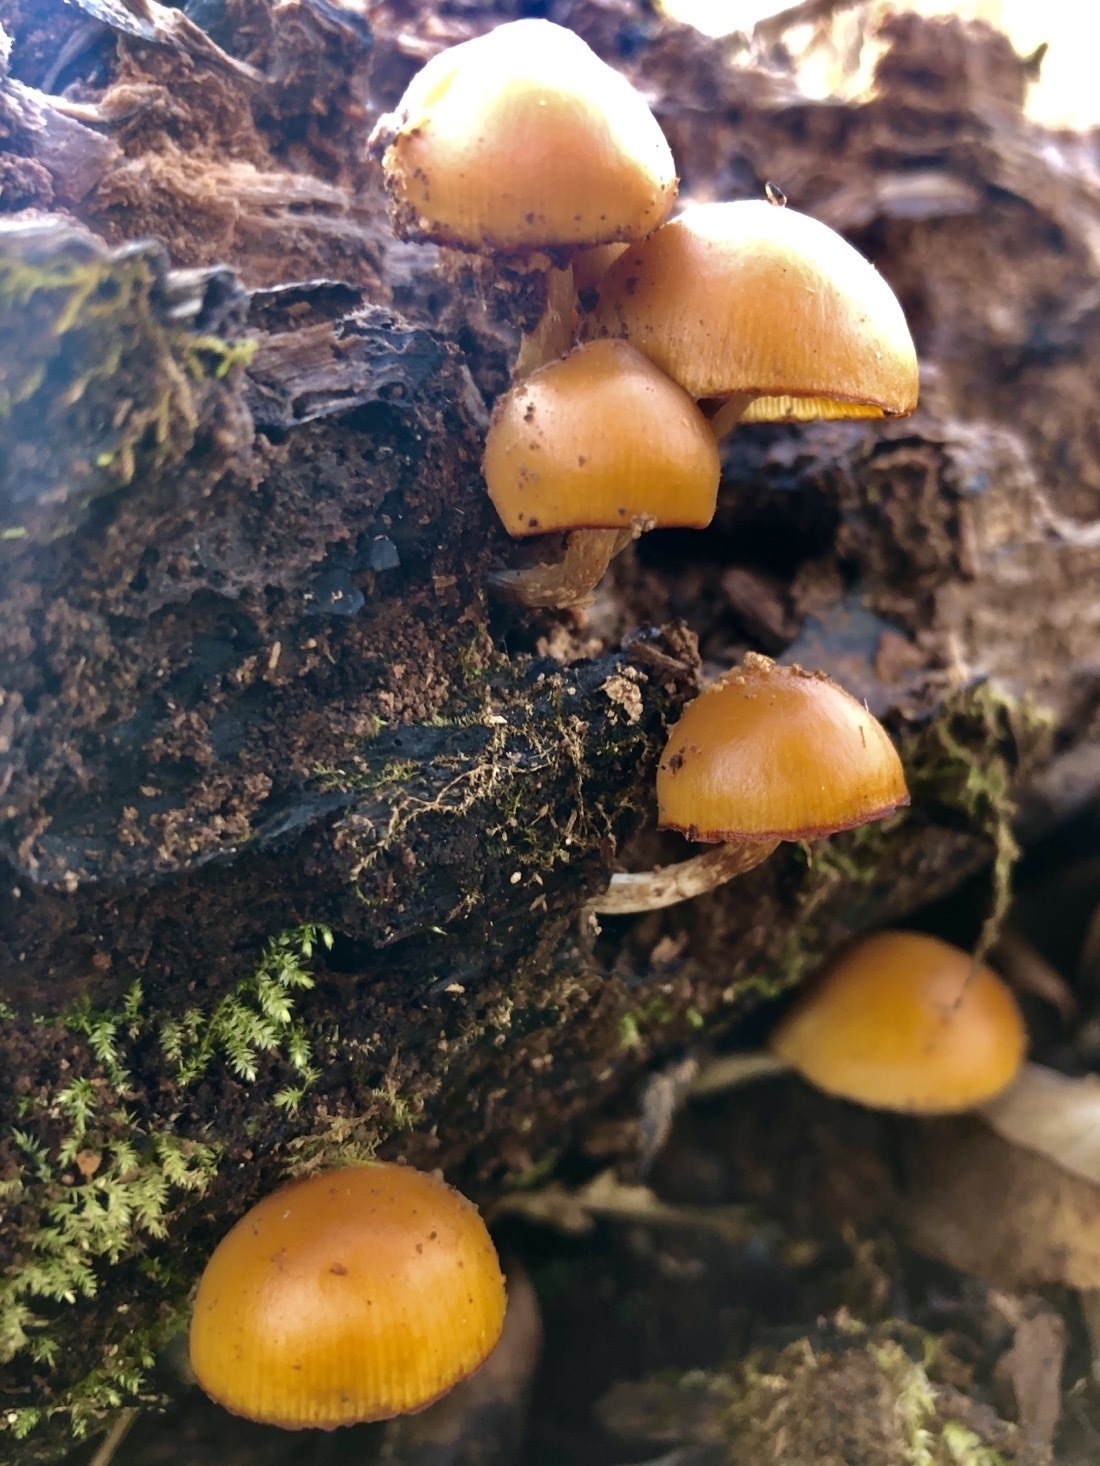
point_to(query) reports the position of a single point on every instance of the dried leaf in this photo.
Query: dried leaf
(1033, 1369)
(1056, 1117)
(1007, 1214)
(1028, 971)
(605, 1196)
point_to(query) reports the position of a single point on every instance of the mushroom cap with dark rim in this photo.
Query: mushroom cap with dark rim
(756, 299)
(776, 753)
(353, 1295)
(902, 1021)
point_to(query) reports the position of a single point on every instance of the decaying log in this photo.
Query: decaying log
(296, 825)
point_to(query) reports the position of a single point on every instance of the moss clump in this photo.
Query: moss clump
(843, 1396)
(95, 1183)
(968, 760)
(858, 1400)
(258, 1018)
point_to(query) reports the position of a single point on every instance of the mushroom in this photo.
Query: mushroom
(519, 142)
(766, 753)
(765, 309)
(600, 444)
(896, 1021)
(352, 1295)
(903, 1021)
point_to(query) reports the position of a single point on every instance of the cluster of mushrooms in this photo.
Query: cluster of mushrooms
(365, 1293)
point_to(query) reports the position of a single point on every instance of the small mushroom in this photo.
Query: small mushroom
(766, 753)
(600, 444)
(766, 310)
(353, 1295)
(903, 1021)
(523, 141)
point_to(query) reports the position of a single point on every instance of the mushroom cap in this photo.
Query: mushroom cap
(758, 299)
(352, 1295)
(523, 138)
(902, 1021)
(594, 441)
(775, 753)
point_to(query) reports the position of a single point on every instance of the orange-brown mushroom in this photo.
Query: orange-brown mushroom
(766, 309)
(902, 1021)
(523, 141)
(600, 444)
(353, 1295)
(766, 753)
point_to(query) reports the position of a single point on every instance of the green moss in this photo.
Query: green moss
(96, 377)
(476, 658)
(844, 1395)
(95, 1183)
(968, 760)
(210, 356)
(258, 1018)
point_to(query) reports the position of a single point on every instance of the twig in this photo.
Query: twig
(115, 1436)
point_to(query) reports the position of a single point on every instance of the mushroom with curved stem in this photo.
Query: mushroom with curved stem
(896, 1021)
(523, 143)
(602, 445)
(350, 1296)
(765, 754)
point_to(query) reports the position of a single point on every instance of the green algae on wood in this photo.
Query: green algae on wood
(105, 369)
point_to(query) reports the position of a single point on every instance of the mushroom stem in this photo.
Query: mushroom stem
(729, 414)
(588, 553)
(730, 1071)
(553, 336)
(668, 884)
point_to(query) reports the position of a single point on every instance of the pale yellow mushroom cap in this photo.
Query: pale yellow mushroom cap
(758, 299)
(522, 139)
(597, 440)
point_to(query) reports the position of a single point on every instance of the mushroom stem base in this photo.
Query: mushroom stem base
(588, 553)
(731, 1071)
(650, 890)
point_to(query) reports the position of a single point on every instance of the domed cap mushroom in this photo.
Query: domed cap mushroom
(776, 753)
(755, 299)
(766, 753)
(596, 440)
(603, 445)
(352, 1295)
(524, 139)
(906, 1022)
